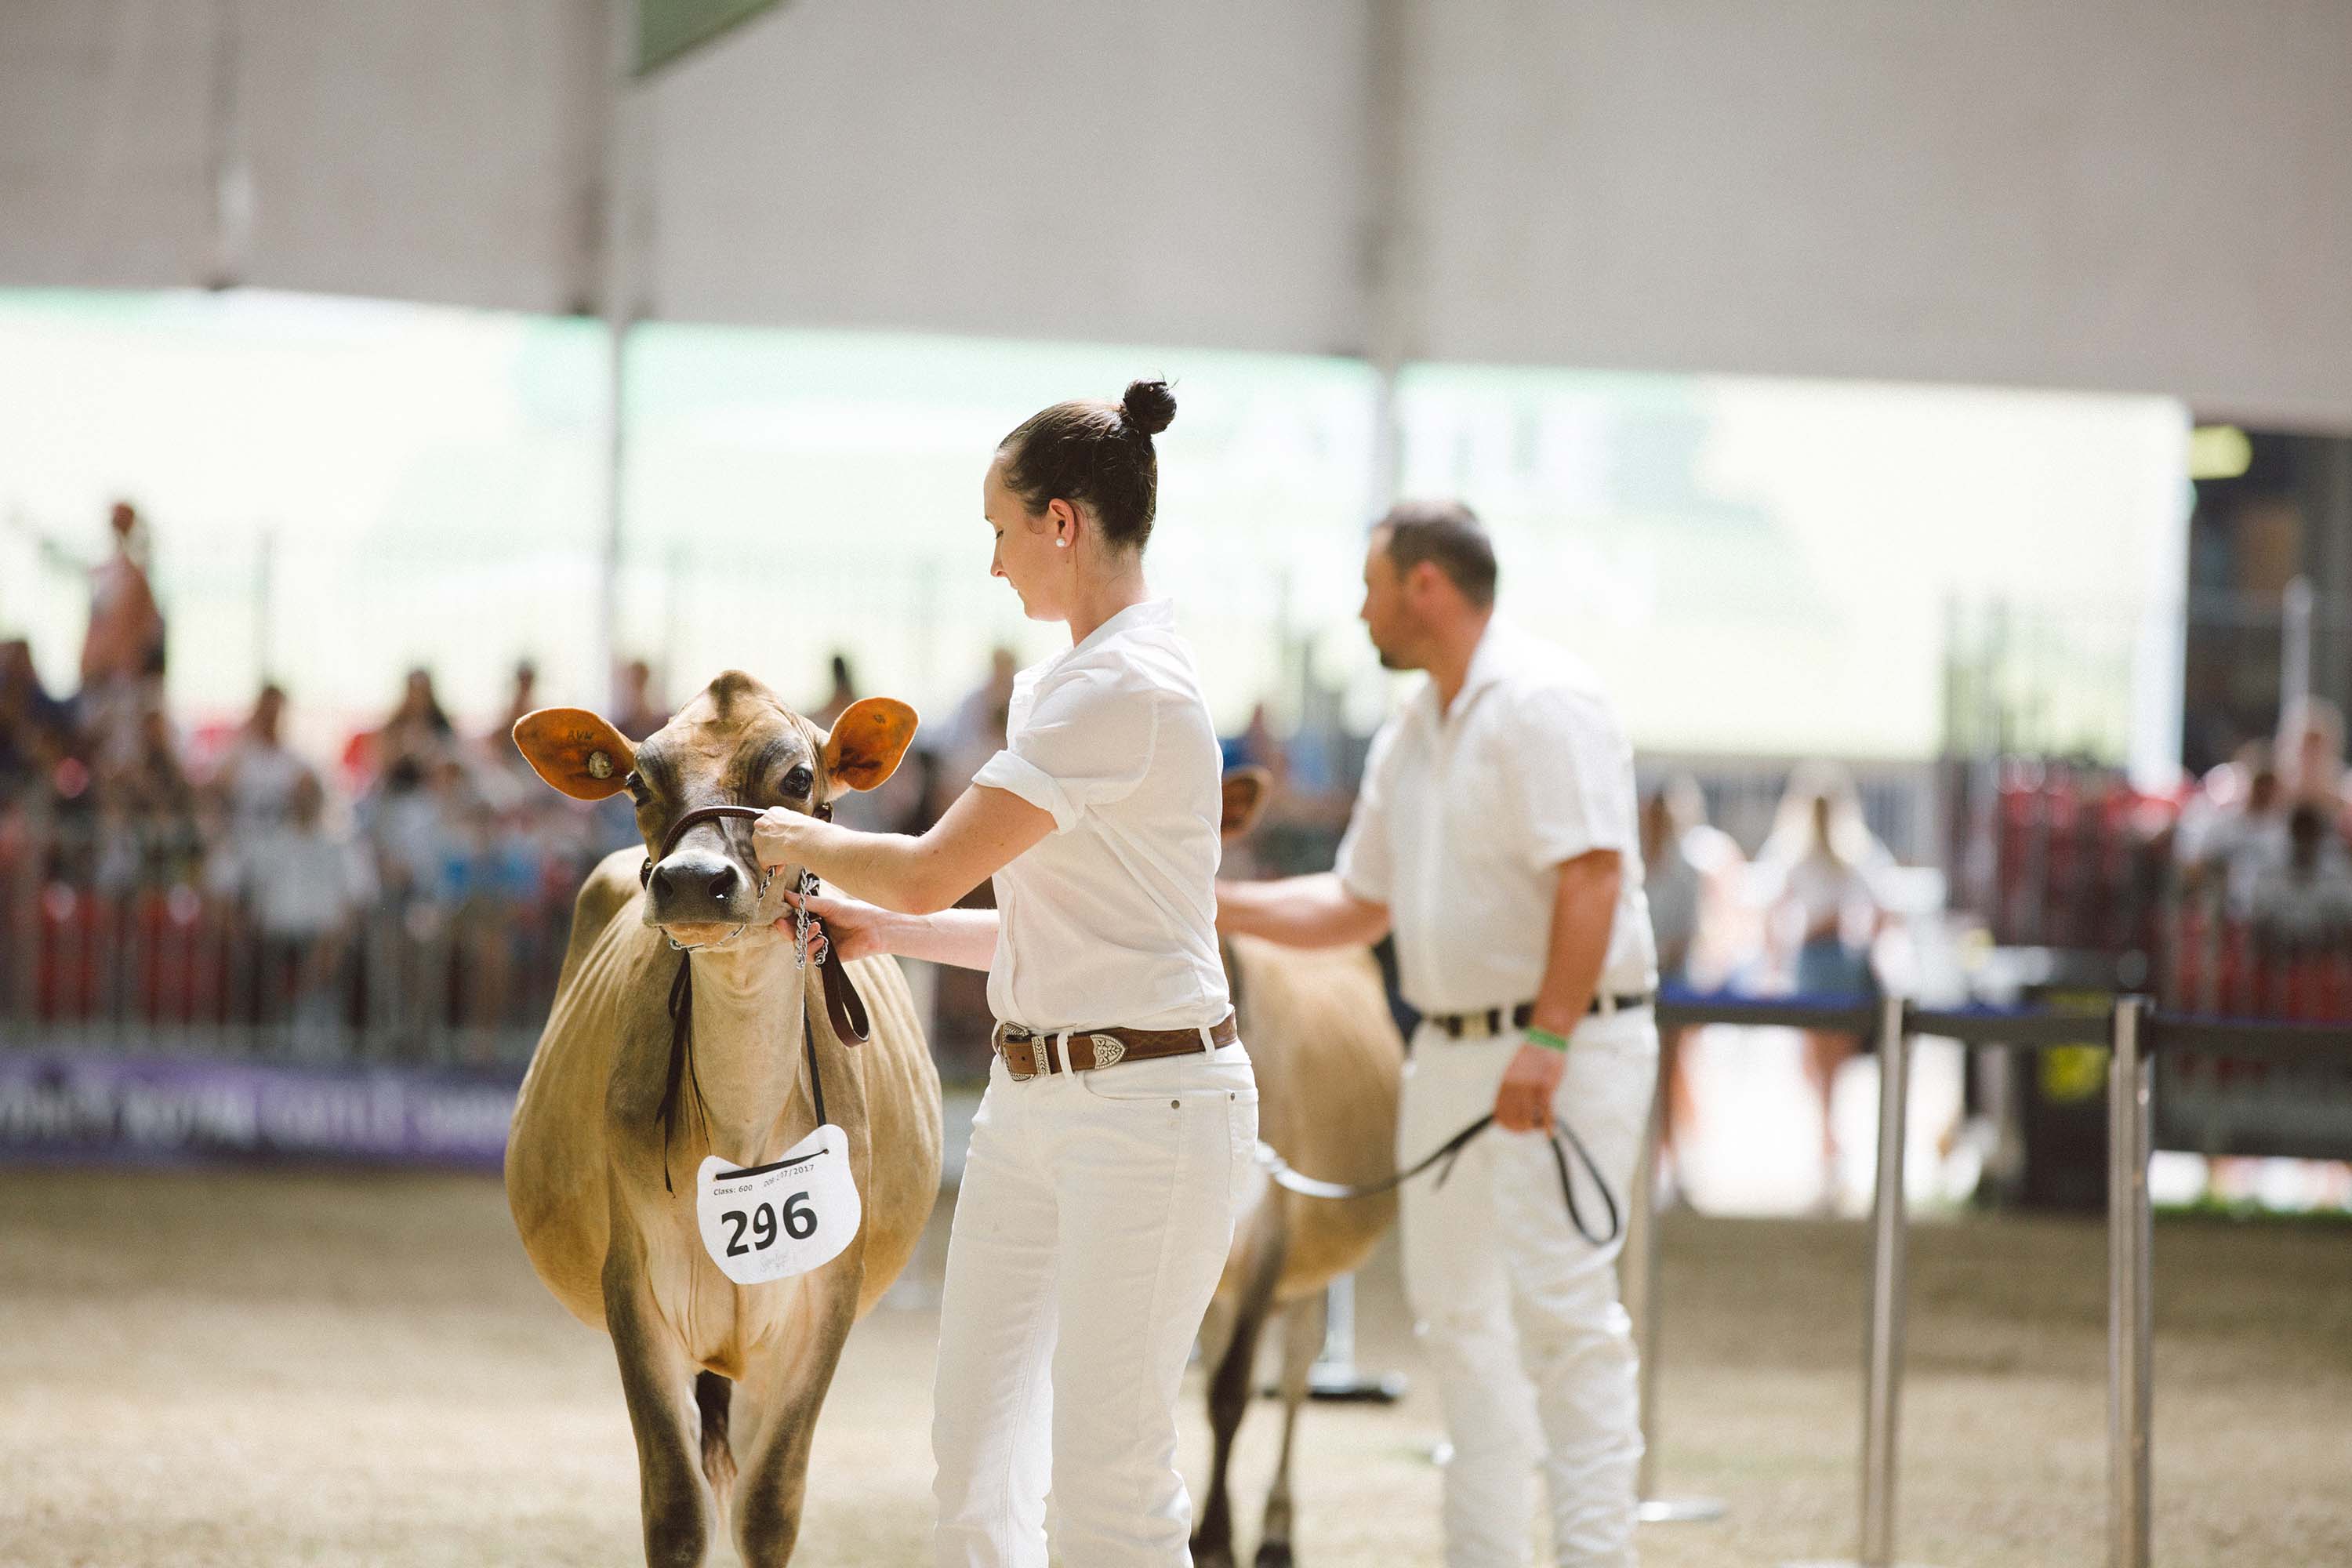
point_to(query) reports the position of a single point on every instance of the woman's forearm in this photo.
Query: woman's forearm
(979, 835)
(965, 938)
(889, 869)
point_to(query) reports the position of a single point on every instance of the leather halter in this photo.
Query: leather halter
(845, 1008)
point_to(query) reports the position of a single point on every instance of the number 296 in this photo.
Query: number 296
(799, 1223)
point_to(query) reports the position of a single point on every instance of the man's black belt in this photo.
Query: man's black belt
(1492, 1020)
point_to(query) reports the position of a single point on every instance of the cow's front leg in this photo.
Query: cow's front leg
(790, 1374)
(659, 1383)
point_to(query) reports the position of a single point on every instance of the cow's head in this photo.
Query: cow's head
(733, 746)
(1246, 791)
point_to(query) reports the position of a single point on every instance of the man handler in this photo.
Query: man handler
(1496, 835)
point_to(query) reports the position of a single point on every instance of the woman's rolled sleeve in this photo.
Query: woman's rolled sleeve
(1088, 742)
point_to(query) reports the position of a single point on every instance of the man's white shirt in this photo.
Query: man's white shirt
(1463, 820)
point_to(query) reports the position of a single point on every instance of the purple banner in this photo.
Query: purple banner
(73, 1106)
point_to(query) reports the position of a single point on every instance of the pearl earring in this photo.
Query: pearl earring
(1061, 545)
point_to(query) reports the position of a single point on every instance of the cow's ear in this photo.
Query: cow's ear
(1246, 790)
(867, 741)
(575, 750)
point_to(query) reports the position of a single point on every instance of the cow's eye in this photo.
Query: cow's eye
(800, 781)
(638, 792)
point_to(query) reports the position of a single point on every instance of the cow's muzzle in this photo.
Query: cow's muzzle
(695, 887)
(702, 894)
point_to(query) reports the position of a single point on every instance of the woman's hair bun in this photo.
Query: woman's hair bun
(1149, 406)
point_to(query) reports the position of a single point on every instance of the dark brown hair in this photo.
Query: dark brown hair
(1094, 453)
(1449, 533)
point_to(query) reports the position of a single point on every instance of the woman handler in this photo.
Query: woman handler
(1097, 1199)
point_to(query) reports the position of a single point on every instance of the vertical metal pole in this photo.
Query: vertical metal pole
(2130, 1237)
(1639, 1286)
(2294, 649)
(1642, 1298)
(229, 166)
(1335, 1374)
(265, 607)
(1883, 1383)
(621, 242)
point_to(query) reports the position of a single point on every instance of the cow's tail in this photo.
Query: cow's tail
(712, 1395)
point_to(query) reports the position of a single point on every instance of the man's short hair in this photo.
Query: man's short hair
(1447, 532)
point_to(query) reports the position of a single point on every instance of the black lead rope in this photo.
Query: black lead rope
(1444, 1155)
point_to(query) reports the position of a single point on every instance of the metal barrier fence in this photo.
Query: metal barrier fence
(2135, 1034)
(168, 964)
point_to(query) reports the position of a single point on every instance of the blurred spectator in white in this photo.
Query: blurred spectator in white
(492, 869)
(305, 885)
(2248, 840)
(1689, 868)
(2311, 756)
(123, 648)
(2217, 794)
(1815, 872)
(147, 811)
(414, 818)
(2305, 900)
(637, 712)
(257, 780)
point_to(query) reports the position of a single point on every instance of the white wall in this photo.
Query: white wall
(2150, 195)
(104, 151)
(2134, 195)
(1184, 174)
(438, 150)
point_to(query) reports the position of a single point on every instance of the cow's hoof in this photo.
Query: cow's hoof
(1274, 1555)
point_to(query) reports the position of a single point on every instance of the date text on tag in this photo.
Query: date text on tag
(782, 1218)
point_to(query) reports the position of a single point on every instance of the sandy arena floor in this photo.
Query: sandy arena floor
(253, 1369)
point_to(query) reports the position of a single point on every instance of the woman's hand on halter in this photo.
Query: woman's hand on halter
(781, 837)
(855, 929)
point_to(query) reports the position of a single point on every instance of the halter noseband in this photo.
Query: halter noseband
(686, 824)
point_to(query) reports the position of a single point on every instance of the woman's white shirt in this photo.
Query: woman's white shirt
(1110, 921)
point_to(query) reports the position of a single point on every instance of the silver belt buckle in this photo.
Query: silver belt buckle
(1006, 1037)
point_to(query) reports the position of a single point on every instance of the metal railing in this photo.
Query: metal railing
(159, 962)
(2136, 1032)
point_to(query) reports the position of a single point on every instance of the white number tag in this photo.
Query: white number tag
(786, 1217)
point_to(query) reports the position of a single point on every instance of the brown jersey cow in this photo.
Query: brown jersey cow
(603, 1183)
(1328, 1064)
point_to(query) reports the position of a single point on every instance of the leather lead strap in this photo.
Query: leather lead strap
(681, 1059)
(1279, 1170)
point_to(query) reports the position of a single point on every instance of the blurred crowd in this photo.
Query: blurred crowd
(441, 829)
(434, 831)
(2267, 835)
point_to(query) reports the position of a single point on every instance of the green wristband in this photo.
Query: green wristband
(1545, 1038)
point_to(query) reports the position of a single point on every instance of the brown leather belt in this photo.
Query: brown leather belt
(1027, 1053)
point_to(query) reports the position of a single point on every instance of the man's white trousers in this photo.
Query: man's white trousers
(1532, 1350)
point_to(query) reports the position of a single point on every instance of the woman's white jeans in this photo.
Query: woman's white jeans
(1094, 1219)
(1532, 1352)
